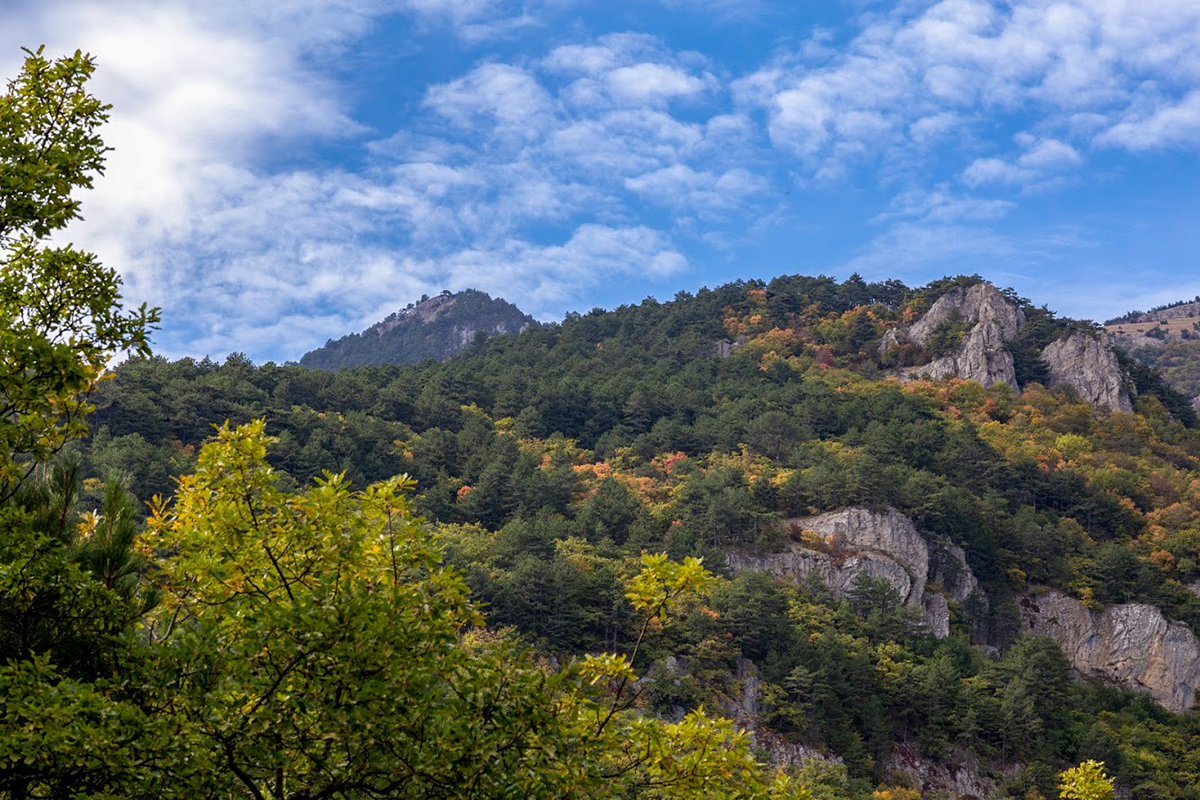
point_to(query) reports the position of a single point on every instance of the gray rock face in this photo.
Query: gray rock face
(1088, 365)
(958, 775)
(743, 706)
(861, 542)
(1131, 645)
(981, 355)
(937, 615)
(780, 752)
(948, 568)
(879, 545)
(978, 304)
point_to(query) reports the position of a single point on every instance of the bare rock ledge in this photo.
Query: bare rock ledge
(981, 356)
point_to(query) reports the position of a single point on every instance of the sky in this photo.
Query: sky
(289, 171)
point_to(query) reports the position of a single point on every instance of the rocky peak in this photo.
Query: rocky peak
(436, 327)
(1088, 365)
(426, 310)
(884, 545)
(1131, 645)
(981, 304)
(981, 355)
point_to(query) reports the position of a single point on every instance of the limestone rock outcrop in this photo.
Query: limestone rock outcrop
(982, 303)
(886, 545)
(1088, 365)
(958, 775)
(1131, 645)
(981, 355)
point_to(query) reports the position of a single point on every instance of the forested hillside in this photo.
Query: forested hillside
(252, 638)
(549, 461)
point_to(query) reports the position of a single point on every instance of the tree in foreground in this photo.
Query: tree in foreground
(1088, 781)
(309, 644)
(61, 319)
(72, 722)
(317, 647)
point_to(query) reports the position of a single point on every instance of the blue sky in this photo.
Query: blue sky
(289, 171)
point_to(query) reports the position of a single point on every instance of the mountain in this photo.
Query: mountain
(957, 536)
(1167, 339)
(435, 328)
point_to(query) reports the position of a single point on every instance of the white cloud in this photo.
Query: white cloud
(1167, 125)
(919, 248)
(548, 274)
(1042, 160)
(711, 194)
(941, 204)
(509, 186)
(604, 54)
(627, 70)
(473, 21)
(1051, 64)
(1049, 154)
(652, 83)
(508, 97)
(199, 93)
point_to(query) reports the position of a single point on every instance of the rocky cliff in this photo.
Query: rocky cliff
(886, 545)
(980, 355)
(1085, 362)
(1131, 645)
(1088, 365)
(958, 775)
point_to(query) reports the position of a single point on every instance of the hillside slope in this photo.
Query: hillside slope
(1166, 339)
(889, 543)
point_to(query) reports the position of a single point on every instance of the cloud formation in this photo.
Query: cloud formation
(248, 197)
(1088, 72)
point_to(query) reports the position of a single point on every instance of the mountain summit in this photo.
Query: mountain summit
(435, 328)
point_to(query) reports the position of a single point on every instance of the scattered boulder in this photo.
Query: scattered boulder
(1088, 365)
(1131, 645)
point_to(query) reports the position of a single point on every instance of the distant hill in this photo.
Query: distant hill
(435, 328)
(1176, 310)
(1166, 338)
